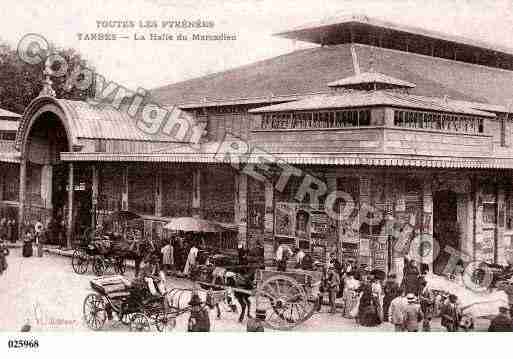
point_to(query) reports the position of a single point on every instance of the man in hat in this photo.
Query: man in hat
(396, 312)
(199, 320)
(390, 291)
(257, 324)
(300, 255)
(412, 314)
(333, 287)
(502, 322)
(282, 255)
(450, 314)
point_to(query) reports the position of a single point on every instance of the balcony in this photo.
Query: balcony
(374, 130)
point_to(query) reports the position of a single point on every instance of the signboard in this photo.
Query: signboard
(78, 187)
(319, 222)
(349, 251)
(379, 252)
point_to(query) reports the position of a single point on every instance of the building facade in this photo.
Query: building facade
(378, 138)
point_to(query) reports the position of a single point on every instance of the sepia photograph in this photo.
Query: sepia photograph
(255, 166)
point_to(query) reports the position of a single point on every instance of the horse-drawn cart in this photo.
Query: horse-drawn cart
(288, 298)
(134, 307)
(102, 255)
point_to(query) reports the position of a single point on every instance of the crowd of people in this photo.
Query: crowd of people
(370, 299)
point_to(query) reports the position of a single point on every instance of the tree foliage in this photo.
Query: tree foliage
(21, 82)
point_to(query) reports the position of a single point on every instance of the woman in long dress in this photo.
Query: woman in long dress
(191, 260)
(350, 296)
(368, 307)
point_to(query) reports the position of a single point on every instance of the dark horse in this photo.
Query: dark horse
(242, 284)
(114, 246)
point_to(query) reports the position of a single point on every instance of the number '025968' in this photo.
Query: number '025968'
(23, 344)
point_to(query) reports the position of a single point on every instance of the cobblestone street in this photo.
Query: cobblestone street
(48, 293)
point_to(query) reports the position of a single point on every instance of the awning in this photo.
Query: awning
(338, 159)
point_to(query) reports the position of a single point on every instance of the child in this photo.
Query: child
(27, 244)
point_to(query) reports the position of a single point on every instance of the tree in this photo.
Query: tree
(21, 82)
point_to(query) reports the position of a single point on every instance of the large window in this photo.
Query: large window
(34, 183)
(141, 189)
(177, 187)
(316, 120)
(111, 188)
(218, 194)
(438, 121)
(11, 183)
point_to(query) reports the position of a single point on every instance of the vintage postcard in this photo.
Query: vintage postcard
(255, 166)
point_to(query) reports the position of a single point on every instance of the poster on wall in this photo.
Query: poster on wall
(256, 216)
(349, 251)
(319, 222)
(379, 253)
(319, 253)
(284, 219)
(485, 247)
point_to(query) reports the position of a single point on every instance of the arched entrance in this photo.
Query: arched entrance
(43, 134)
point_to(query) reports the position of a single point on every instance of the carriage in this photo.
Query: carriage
(134, 306)
(102, 255)
(288, 298)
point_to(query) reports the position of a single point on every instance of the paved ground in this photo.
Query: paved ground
(49, 294)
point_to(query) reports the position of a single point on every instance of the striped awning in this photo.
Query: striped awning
(301, 158)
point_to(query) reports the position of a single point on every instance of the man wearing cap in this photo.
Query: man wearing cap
(199, 320)
(450, 314)
(502, 322)
(412, 314)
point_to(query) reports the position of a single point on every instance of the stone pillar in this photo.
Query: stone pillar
(196, 192)
(69, 229)
(478, 223)
(502, 245)
(124, 195)
(427, 245)
(241, 209)
(331, 184)
(22, 195)
(158, 192)
(94, 195)
(269, 244)
(364, 255)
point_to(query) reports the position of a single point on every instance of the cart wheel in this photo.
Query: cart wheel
(139, 323)
(95, 313)
(120, 266)
(99, 266)
(285, 301)
(80, 261)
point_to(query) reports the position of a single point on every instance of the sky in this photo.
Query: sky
(150, 64)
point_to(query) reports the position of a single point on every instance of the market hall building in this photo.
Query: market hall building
(413, 123)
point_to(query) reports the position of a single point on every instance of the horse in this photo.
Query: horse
(224, 277)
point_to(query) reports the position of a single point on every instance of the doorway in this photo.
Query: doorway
(446, 229)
